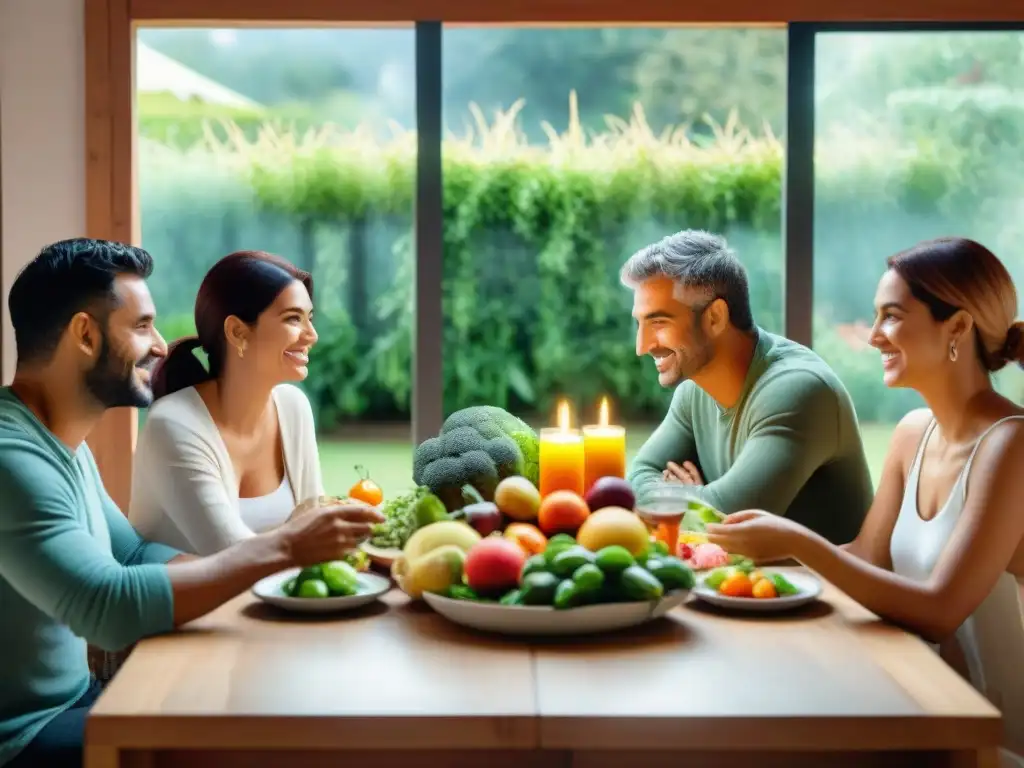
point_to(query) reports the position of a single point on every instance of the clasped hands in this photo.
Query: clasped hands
(687, 473)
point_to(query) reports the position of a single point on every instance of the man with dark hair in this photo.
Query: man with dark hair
(72, 569)
(756, 420)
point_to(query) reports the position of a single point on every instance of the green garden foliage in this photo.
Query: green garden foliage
(533, 240)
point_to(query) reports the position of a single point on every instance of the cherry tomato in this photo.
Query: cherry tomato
(764, 589)
(737, 585)
(366, 490)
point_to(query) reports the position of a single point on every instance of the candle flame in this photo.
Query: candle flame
(603, 418)
(563, 416)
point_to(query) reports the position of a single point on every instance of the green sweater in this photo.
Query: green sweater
(72, 570)
(791, 444)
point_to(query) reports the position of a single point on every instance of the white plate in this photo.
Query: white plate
(542, 620)
(808, 585)
(271, 590)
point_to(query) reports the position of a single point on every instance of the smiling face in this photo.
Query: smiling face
(669, 329)
(129, 347)
(914, 345)
(276, 348)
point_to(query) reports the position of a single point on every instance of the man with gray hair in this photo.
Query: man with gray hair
(757, 421)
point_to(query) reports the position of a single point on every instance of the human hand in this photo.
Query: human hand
(687, 474)
(328, 532)
(317, 502)
(756, 534)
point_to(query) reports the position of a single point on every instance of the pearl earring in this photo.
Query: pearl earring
(952, 351)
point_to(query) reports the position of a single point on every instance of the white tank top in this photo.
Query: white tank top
(262, 513)
(991, 639)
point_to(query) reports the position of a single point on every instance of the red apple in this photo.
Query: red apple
(493, 565)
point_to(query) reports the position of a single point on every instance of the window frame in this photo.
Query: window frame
(110, 137)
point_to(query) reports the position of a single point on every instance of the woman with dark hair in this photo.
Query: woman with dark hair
(229, 450)
(941, 552)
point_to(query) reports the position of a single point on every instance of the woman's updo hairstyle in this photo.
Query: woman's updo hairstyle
(954, 273)
(242, 284)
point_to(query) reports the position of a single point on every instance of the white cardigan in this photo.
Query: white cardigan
(184, 489)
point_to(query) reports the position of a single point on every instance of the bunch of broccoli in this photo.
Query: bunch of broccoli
(479, 446)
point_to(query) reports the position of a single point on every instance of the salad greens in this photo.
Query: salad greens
(698, 515)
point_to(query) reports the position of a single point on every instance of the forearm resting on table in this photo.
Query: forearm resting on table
(914, 606)
(202, 584)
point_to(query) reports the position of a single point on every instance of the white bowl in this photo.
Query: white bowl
(271, 590)
(544, 620)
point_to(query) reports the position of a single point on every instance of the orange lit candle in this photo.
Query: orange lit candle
(604, 445)
(561, 456)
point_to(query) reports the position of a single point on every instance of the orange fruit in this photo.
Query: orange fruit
(527, 536)
(366, 490)
(764, 589)
(562, 512)
(737, 585)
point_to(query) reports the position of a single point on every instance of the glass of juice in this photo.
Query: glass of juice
(662, 506)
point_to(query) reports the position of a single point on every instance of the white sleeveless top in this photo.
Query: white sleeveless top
(992, 638)
(263, 513)
(184, 488)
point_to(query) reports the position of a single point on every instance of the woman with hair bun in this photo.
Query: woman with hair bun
(229, 450)
(940, 552)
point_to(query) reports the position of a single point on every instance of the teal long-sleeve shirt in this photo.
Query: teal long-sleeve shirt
(791, 445)
(72, 571)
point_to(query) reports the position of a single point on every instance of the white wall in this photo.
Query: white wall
(42, 135)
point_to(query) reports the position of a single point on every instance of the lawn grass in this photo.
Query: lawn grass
(387, 456)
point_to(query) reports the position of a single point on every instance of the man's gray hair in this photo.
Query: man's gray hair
(698, 259)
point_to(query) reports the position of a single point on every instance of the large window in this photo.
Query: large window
(299, 142)
(565, 151)
(918, 135)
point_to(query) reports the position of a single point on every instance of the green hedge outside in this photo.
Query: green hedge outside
(533, 240)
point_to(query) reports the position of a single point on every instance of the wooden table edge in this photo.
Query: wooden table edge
(489, 732)
(333, 732)
(825, 733)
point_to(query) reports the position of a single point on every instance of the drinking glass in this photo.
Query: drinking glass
(661, 506)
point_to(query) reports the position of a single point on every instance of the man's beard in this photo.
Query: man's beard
(691, 360)
(112, 380)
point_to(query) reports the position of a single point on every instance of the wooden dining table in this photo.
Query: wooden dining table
(395, 685)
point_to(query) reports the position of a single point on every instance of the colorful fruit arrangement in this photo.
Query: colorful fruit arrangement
(481, 470)
(571, 557)
(746, 581)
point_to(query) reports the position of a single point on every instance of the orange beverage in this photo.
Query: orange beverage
(662, 507)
